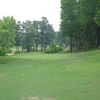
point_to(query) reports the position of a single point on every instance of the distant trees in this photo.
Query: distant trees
(32, 34)
(47, 33)
(29, 35)
(37, 38)
(18, 38)
(80, 22)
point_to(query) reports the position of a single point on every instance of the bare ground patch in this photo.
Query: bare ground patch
(37, 98)
(2, 75)
(49, 99)
(30, 98)
(33, 98)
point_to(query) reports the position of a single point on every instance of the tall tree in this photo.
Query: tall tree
(88, 12)
(97, 21)
(47, 33)
(43, 28)
(29, 34)
(77, 21)
(7, 32)
(18, 37)
(36, 24)
(68, 15)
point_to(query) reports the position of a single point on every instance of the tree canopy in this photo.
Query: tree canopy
(7, 32)
(80, 20)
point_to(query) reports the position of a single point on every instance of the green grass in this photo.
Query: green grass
(61, 76)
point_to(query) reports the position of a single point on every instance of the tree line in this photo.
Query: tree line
(80, 20)
(29, 35)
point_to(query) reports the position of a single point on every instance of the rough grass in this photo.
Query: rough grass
(35, 76)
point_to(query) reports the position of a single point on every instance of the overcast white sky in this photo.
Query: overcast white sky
(32, 10)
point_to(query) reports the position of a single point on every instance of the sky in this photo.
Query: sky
(32, 10)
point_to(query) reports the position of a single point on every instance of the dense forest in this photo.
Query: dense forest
(80, 20)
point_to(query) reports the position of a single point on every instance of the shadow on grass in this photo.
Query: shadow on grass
(7, 59)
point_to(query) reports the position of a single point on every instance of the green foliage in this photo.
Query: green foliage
(99, 48)
(59, 48)
(47, 33)
(29, 35)
(17, 52)
(52, 45)
(97, 18)
(79, 21)
(7, 34)
(2, 51)
(47, 50)
(34, 33)
(9, 51)
(53, 48)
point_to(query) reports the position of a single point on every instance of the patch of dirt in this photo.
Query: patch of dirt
(3, 62)
(22, 98)
(95, 82)
(30, 98)
(37, 98)
(2, 75)
(33, 98)
(50, 99)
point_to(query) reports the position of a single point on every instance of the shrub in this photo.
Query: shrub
(53, 48)
(52, 45)
(60, 48)
(2, 51)
(9, 51)
(17, 52)
(47, 50)
(75, 49)
(99, 48)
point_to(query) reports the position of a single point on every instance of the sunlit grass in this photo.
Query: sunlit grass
(60, 76)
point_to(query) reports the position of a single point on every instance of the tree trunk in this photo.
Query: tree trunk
(18, 48)
(98, 37)
(28, 50)
(41, 47)
(36, 45)
(71, 43)
(78, 44)
(86, 42)
(76, 40)
(42, 43)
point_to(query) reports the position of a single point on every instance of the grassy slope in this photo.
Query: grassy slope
(61, 76)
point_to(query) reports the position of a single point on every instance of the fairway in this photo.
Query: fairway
(38, 76)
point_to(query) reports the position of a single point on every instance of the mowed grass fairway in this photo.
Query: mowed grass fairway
(37, 76)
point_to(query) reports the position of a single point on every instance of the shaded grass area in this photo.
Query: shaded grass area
(61, 76)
